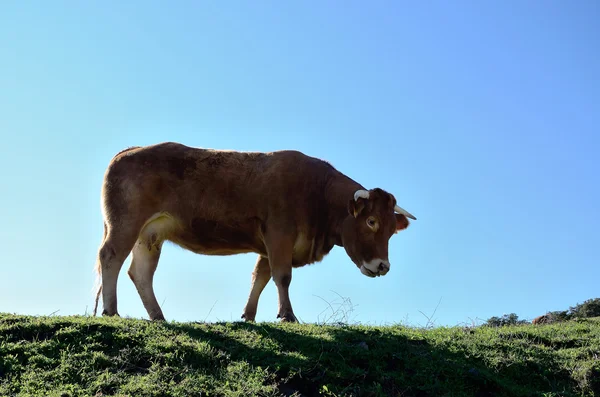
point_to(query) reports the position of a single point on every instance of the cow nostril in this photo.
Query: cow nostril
(382, 267)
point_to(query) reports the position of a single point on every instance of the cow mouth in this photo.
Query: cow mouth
(364, 270)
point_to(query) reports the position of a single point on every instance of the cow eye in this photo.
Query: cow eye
(371, 222)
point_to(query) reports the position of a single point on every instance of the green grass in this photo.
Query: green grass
(86, 356)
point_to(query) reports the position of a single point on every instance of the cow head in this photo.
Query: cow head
(373, 218)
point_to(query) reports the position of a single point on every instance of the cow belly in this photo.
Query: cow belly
(209, 237)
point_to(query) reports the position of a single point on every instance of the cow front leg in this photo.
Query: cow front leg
(260, 278)
(280, 260)
(283, 279)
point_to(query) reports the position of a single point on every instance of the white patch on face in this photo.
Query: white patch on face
(366, 272)
(375, 268)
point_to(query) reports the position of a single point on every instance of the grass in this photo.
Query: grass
(87, 356)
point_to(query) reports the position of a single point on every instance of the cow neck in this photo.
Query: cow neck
(340, 190)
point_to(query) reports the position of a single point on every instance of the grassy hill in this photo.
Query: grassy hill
(77, 356)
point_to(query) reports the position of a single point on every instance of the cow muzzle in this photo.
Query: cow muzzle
(375, 268)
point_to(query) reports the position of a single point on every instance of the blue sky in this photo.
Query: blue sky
(481, 117)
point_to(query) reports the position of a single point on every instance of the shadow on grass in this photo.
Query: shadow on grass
(361, 361)
(105, 356)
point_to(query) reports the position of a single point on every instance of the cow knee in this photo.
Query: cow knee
(107, 255)
(283, 280)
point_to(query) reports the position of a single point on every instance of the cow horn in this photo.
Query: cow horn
(404, 212)
(361, 194)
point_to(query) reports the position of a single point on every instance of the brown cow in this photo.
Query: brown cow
(543, 319)
(289, 208)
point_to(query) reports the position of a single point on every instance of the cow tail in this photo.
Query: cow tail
(98, 270)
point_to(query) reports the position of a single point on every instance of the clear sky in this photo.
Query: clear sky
(481, 117)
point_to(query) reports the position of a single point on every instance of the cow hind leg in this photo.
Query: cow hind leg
(146, 254)
(111, 255)
(260, 278)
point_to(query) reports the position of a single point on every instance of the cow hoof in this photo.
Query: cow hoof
(249, 318)
(108, 314)
(288, 318)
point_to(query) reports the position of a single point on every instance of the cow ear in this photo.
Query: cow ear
(401, 222)
(356, 206)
